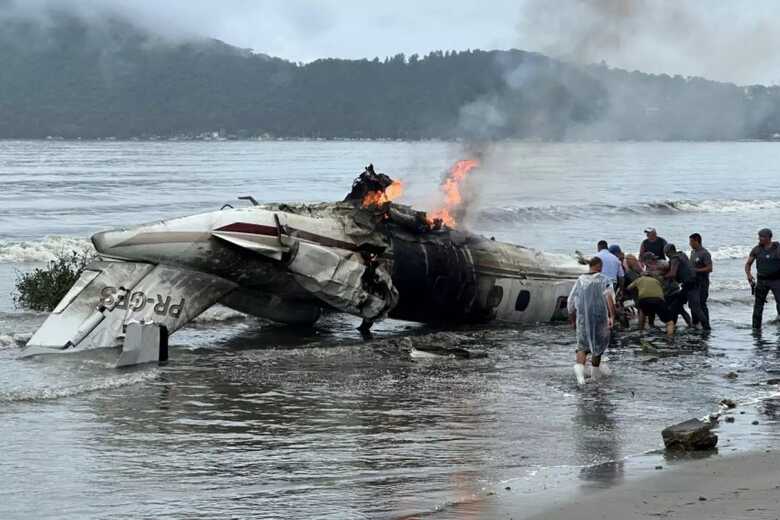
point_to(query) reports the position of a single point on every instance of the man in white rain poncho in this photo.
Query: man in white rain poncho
(591, 307)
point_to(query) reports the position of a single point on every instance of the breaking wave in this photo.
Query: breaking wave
(562, 212)
(7, 341)
(731, 252)
(40, 251)
(562, 260)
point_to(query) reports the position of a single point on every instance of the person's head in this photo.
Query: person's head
(633, 263)
(595, 264)
(649, 258)
(670, 250)
(765, 237)
(651, 234)
(615, 250)
(694, 241)
(602, 245)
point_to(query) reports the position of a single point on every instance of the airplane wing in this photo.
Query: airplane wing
(108, 295)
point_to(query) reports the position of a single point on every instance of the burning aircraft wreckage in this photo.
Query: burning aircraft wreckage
(365, 256)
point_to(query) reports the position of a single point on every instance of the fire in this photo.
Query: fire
(377, 198)
(452, 196)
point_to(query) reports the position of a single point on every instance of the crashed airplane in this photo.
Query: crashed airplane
(365, 256)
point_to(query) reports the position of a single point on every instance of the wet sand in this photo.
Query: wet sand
(739, 487)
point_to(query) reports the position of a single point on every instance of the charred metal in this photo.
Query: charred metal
(366, 256)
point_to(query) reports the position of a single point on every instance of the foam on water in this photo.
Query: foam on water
(731, 252)
(41, 251)
(49, 392)
(7, 341)
(562, 212)
(565, 261)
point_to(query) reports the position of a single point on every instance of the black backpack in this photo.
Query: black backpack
(685, 273)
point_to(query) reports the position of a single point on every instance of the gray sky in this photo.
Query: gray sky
(730, 41)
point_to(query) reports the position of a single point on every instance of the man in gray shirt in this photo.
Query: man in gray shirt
(701, 261)
(766, 255)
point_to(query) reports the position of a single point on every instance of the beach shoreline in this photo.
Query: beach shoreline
(738, 486)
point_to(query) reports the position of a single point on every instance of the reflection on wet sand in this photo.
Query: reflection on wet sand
(596, 436)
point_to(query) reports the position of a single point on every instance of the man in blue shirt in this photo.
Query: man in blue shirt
(611, 267)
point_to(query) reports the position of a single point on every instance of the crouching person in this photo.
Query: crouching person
(591, 307)
(650, 298)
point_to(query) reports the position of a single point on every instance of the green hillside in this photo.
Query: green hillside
(72, 79)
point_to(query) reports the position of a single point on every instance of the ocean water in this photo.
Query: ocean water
(251, 419)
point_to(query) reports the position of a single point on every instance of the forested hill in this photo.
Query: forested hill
(71, 79)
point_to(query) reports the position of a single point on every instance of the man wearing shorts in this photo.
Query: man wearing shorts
(650, 298)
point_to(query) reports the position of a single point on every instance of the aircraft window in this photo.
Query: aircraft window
(495, 296)
(523, 300)
(561, 312)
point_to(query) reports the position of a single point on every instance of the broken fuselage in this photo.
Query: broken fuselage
(287, 263)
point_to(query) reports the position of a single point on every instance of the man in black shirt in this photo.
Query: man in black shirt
(680, 270)
(767, 257)
(653, 244)
(701, 261)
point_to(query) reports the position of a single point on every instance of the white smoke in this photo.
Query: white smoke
(727, 41)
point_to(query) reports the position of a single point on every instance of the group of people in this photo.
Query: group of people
(661, 280)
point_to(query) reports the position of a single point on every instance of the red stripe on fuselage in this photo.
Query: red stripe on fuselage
(252, 229)
(257, 229)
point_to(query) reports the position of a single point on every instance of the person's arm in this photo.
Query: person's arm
(571, 308)
(749, 266)
(609, 294)
(707, 267)
(672, 273)
(641, 250)
(630, 292)
(621, 277)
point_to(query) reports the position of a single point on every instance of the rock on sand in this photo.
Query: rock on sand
(691, 435)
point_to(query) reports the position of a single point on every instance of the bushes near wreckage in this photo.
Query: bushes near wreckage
(42, 288)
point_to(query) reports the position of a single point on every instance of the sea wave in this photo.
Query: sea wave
(40, 251)
(7, 341)
(562, 212)
(731, 252)
(740, 284)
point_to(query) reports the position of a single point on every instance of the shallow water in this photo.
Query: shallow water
(254, 420)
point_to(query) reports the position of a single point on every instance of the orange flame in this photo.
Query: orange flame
(452, 196)
(377, 198)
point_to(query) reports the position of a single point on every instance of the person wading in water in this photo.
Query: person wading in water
(591, 307)
(701, 260)
(767, 257)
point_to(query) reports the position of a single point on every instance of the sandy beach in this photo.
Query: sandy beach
(739, 487)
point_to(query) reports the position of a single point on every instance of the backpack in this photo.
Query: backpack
(685, 273)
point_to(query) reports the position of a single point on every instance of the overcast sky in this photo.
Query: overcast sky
(731, 41)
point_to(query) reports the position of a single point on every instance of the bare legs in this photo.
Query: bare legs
(670, 326)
